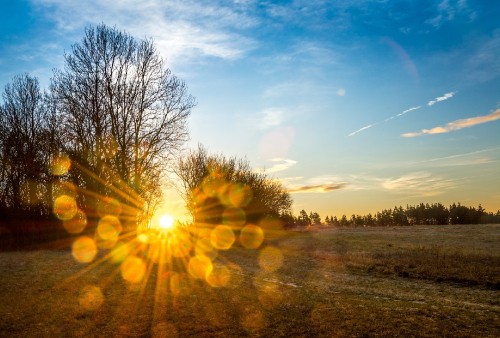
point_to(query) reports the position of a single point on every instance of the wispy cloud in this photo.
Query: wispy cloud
(422, 183)
(321, 188)
(270, 117)
(470, 158)
(181, 29)
(419, 183)
(441, 98)
(457, 125)
(280, 164)
(430, 103)
(402, 113)
(449, 10)
(483, 63)
(387, 119)
(361, 129)
(318, 184)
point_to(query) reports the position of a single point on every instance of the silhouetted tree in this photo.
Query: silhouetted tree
(315, 218)
(303, 219)
(343, 221)
(26, 136)
(214, 186)
(421, 214)
(123, 117)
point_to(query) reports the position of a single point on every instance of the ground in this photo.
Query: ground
(396, 281)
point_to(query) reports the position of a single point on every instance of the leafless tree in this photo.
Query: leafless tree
(214, 183)
(124, 115)
(26, 144)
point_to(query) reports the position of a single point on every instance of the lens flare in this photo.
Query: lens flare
(91, 297)
(240, 195)
(120, 252)
(251, 236)
(84, 249)
(133, 269)
(180, 244)
(234, 217)
(109, 206)
(60, 165)
(219, 276)
(77, 223)
(222, 237)
(200, 266)
(109, 227)
(65, 207)
(143, 237)
(204, 247)
(64, 188)
(213, 185)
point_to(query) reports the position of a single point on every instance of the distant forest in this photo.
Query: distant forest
(103, 138)
(421, 214)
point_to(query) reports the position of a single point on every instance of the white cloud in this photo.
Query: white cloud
(457, 125)
(484, 63)
(361, 129)
(471, 158)
(181, 29)
(441, 98)
(280, 164)
(430, 103)
(449, 10)
(319, 184)
(403, 113)
(320, 188)
(271, 117)
(422, 183)
(341, 92)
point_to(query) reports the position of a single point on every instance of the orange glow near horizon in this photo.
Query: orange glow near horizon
(181, 256)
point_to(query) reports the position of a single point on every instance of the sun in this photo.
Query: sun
(166, 221)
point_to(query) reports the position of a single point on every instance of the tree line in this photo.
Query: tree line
(421, 214)
(102, 139)
(226, 190)
(103, 134)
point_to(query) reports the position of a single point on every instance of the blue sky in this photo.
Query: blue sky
(355, 105)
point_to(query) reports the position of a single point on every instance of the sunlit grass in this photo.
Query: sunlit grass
(160, 278)
(299, 284)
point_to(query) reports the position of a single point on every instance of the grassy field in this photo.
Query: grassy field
(401, 281)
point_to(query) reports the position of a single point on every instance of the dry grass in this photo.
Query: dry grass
(420, 281)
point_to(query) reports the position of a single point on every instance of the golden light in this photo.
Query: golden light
(133, 269)
(60, 165)
(84, 249)
(166, 221)
(222, 237)
(91, 297)
(65, 207)
(251, 236)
